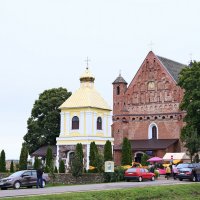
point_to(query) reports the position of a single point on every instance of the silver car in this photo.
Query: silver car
(25, 178)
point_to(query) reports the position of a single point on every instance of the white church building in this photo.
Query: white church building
(85, 117)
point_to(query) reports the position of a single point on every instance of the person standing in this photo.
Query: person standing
(174, 171)
(168, 172)
(39, 178)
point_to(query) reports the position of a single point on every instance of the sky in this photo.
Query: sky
(44, 45)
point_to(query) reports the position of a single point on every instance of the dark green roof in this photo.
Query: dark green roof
(173, 67)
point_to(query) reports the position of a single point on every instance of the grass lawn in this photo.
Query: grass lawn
(173, 192)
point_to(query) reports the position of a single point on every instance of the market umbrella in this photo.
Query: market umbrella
(155, 159)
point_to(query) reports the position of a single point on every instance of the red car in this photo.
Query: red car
(139, 174)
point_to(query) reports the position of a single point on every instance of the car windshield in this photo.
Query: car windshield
(182, 165)
(131, 170)
(186, 169)
(16, 174)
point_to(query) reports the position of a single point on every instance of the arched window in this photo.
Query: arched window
(154, 132)
(75, 122)
(118, 90)
(99, 123)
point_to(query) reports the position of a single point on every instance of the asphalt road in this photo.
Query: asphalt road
(88, 187)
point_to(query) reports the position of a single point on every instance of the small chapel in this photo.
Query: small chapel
(85, 117)
(147, 110)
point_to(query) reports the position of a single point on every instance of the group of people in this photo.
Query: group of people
(170, 170)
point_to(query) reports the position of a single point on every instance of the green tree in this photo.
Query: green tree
(77, 163)
(144, 159)
(2, 161)
(23, 157)
(61, 167)
(99, 162)
(11, 167)
(126, 152)
(191, 140)
(49, 160)
(93, 154)
(44, 123)
(108, 151)
(189, 80)
(37, 164)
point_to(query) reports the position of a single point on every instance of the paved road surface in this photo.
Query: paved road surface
(88, 187)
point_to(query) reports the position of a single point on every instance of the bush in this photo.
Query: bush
(156, 173)
(117, 175)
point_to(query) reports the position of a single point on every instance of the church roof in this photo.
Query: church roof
(86, 96)
(173, 67)
(152, 144)
(119, 79)
(42, 151)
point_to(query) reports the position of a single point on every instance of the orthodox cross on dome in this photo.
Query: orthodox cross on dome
(87, 62)
(151, 45)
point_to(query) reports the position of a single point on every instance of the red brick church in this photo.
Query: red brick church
(147, 110)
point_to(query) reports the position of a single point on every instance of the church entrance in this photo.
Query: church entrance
(138, 156)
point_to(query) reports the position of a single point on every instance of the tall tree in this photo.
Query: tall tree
(44, 123)
(49, 160)
(77, 163)
(37, 163)
(126, 152)
(93, 154)
(2, 161)
(11, 167)
(189, 80)
(23, 157)
(61, 167)
(108, 151)
(144, 159)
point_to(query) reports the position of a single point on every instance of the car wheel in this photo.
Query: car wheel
(153, 178)
(140, 179)
(127, 180)
(180, 179)
(17, 185)
(43, 183)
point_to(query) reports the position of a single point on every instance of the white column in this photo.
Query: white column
(62, 123)
(81, 123)
(57, 157)
(88, 154)
(95, 124)
(89, 123)
(68, 125)
(109, 125)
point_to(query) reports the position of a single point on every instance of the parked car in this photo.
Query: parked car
(139, 174)
(186, 171)
(25, 178)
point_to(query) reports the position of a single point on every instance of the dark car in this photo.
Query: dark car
(26, 178)
(187, 171)
(139, 174)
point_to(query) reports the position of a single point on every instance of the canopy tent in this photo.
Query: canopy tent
(176, 156)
